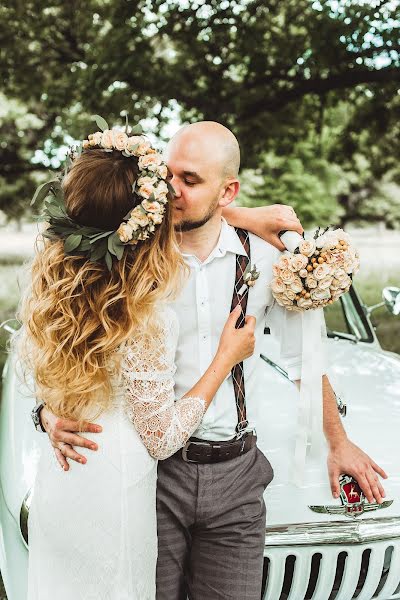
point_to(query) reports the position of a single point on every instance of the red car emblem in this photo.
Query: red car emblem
(353, 500)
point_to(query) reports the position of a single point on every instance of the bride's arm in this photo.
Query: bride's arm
(265, 221)
(163, 423)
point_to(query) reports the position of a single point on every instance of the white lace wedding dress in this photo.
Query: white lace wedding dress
(92, 530)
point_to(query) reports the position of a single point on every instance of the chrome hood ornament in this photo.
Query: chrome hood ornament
(354, 503)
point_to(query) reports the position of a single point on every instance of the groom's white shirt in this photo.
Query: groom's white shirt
(202, 309)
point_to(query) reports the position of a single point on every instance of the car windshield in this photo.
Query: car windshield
(346, 319)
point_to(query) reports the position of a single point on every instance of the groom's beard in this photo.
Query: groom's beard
(190, 225)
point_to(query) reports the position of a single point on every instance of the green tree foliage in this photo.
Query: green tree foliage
(284, 74)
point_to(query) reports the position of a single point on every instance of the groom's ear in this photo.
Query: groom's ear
(229, 193)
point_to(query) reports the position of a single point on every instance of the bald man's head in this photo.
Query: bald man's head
(212, 140)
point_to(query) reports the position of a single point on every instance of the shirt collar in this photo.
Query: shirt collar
(229, 241)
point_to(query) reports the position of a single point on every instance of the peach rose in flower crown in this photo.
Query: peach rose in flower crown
(153, 207)
(120, 139)
(124, 232)
(107, 139)
(146, 191)
(150, 162)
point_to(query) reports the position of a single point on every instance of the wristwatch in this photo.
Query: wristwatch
(35, 414)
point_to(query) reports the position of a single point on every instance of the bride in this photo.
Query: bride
(100, 341)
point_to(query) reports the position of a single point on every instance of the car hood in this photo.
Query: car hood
(368, 380)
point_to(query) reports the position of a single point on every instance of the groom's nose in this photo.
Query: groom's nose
(174, 181)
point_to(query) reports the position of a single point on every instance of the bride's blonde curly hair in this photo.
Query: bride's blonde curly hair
(76, 314)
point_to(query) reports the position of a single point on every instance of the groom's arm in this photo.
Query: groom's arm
(63, 437)
(264, 221)
(346, 457)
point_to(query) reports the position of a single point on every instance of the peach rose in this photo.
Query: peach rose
(146, 180)
(304, 303)
(156, 218)
(284, 261)
(290, 294)
(296, 286)
(322, 271)
(143, 148)
(287, 276)
(107, 139)
(298, 262)
(311, 282)
(320, 295)
(132, 223)
(161, 190)
(85, 144)
(146, 191)
(152, 207)
(307, 247)
(325, 283)
(162, 171)
(149, 162)
(278, 285)
(139, 217)
(276, 271)
(124, 232)
(131, 142)
(120, 139)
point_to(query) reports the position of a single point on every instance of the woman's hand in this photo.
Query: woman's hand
(265, 221)
(237, 344)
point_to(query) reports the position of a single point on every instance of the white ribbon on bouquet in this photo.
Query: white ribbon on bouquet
(309, 432)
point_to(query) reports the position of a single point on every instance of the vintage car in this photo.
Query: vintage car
(315, 547)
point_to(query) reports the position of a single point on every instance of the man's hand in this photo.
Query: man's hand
(62, 438)
(265, 221)
(347, 458)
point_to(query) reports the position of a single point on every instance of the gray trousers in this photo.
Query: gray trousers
(211, 528)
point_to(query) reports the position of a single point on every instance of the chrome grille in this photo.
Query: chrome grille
(333, 572)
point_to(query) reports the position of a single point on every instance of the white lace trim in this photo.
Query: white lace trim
(163, 423)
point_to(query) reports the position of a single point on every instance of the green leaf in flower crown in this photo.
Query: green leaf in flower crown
(55, 211)
(72, 242)
(99, 236)
(108, 260)
(134, 187)
(137, 130)
(100, 122)
(43, 191)
(84, 246)
(115, 246)
(98, 250)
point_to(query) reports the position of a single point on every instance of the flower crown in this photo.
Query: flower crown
(139, 224)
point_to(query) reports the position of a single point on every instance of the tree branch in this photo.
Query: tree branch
(319, 86)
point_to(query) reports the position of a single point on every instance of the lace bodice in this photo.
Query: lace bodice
(163, 423)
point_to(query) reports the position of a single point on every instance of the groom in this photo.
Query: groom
(211, 513)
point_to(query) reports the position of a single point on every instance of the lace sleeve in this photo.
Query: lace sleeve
(163, 424)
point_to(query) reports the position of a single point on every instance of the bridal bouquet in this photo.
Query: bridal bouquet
(317, 272)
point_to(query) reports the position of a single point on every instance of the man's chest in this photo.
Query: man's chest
(205, 301)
